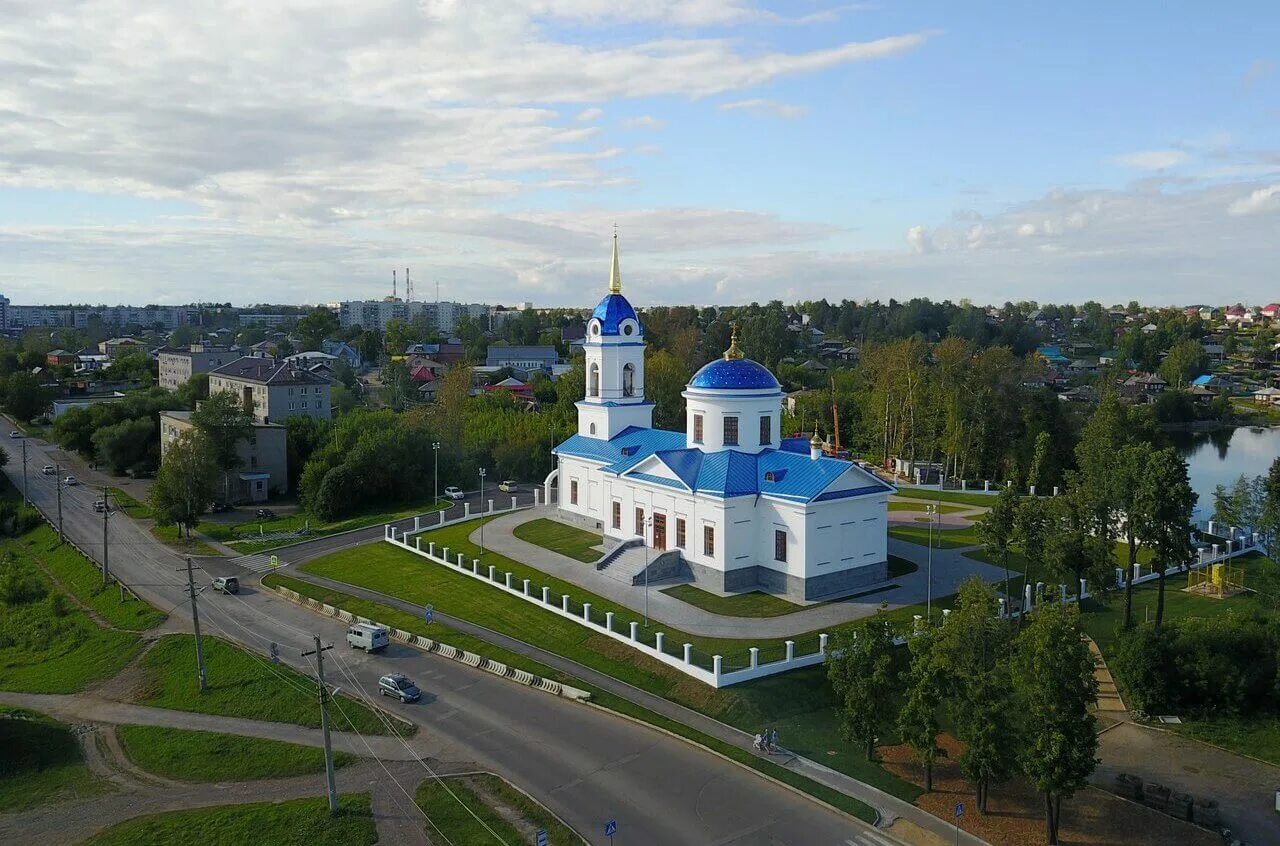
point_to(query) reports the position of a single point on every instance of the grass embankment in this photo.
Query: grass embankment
(245, 537)
(451, 810)
(962, 497)
(204, 756)
(799, 704)
(40, 762)
(753, 604)
(920, 505)
(129, 505)
(297, 822)
(174, 537)
(562, 538)
(808, 725)
(242, 685)
(942, 538)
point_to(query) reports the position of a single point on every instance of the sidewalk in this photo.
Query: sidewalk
(950, 568)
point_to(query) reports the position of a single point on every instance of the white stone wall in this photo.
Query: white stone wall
(748, 407)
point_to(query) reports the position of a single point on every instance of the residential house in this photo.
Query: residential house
(848, 354)
(1214, 383)
(1052, 353)
(343, 351)
(1215, 352)
(1208, 313)
(1109, 357)
(60, 357)
(1083, 366)
(273, 391)
(112, 347)
(1143, 386)
(527, 359)
(1083, 393)
(1267, 396)
(1239, 315)
(1150, 329)
(448, 353)
(1270, 311)
(264, 458)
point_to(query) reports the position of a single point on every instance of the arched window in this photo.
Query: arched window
(629, 380)
(593, 431)
(593, 381)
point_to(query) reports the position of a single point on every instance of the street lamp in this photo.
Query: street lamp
(648, 529)
(482, 471)
(932, 511)
(435, 448)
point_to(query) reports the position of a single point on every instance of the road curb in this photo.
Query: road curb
(435, 647)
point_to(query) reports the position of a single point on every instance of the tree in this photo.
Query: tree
(127, 445)
(224, 422)
(1031, 533)
(24, 396)
(665, 377)
(1080, 545)
(860, 667)
(131, 365)
(1130, 464)
(186, 481)
(314, 328)
(1054, 688)
(918, 719)
(996, 531)
(192, 391)
(1163, 506)
(398, 388)
(1186, 360)
(1269, 518)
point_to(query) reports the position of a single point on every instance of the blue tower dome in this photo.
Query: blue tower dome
(735, 374)
(614, 309)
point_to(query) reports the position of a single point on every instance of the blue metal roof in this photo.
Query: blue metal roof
(734, 374)
(722, 473)
(614, 309)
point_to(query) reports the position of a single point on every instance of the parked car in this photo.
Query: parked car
(400, 686)
(99, 505)
(219, 507)
(508, 485)
(265, 514)
(453, 493)
(368, 637)
(15, 434)
(48, 470)
(226, 584)
(71, 481)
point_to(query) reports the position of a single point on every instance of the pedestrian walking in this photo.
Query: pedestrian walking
(773, 741)
(758, 743)
(765, 735)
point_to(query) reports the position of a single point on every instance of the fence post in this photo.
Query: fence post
(755, 657)
(393, 533)
(417, 523)
(1033, 490)
(461, 559)
(513, 503)
(537, 496)
(444, 553)
(716, 664)
(526, 587)
(822, 642)
(441, 513)
(1002, 611)
(688, 653)
(634, 629)
(1084, 593)
(431, 548)
(1026, 601)
(946, 612)
(791, 651)
(658, 639)
(964, 484)
(492, 572)
(490, 506)
(475, 566)
(986, 486)
(546, 595)
(586, 611)
(466, 509)
(608, 620)
(564, 602)
(508, 581)
(417, 542)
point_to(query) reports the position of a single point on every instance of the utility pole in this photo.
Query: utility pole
(435, 448)
(57, 483)
(195, 620)
(482, 471)
(25, 499)
(106, 510)
(324, 723)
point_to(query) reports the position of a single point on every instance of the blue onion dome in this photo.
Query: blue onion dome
(614, 309)
(735, 372)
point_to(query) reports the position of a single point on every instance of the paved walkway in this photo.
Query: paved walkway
(1111, 706)
(890, 807)
(950, 568)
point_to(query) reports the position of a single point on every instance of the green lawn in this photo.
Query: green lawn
(297, 822)
(82, 578)
(172, 536)
(243, 536)
(942, 538)
(454, 804)
(1258, 737)
(241, 685)
(562, 538)
(747, 706)
(40, 762)
(208, 756)
(135, 509)
(753, 604)
(920, 505)
(963, 497)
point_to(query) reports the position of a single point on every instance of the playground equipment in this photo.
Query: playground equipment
(1217, 581)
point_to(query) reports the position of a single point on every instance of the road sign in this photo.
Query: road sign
(959, 810)
(275, 562)
(541, 839)
(610, 828)
(429, 613)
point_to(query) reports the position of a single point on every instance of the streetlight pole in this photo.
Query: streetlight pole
(435, 448)
(26, 500)
(648, 530)
(932, 509)
(482, 471)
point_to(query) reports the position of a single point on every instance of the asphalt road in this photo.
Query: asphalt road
(587, 765)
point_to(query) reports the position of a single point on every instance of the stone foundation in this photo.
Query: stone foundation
(826, 586)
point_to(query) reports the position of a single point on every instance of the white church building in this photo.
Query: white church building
(742, 507)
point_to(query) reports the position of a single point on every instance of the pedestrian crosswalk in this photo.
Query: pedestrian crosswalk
(870, 838)
(257, 563)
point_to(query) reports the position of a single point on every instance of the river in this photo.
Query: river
(1220, 457)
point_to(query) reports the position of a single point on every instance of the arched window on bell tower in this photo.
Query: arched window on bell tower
(593, 381)
(629, 380)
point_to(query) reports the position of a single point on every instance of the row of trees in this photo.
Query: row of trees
(1018, 700)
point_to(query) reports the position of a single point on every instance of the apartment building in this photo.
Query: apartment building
(177, 366)
(442, 316)
(273, 391)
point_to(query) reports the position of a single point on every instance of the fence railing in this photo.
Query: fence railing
(713, 670)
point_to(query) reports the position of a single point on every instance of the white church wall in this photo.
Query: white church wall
(714, 408)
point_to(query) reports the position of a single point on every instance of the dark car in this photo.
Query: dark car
(219, 507)
(400, 686)
(265, 514)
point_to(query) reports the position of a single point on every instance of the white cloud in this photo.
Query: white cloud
(1153, 159)
(918, 240)
(590, 114)
(644, 122)
(1262, 200)
(765, 108)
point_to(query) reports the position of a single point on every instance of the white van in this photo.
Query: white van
(368, 637)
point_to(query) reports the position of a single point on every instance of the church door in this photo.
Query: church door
(659, 532)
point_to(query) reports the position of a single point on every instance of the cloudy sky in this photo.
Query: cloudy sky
(259, 151)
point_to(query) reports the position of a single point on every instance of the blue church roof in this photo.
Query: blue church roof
(738, 374)
(724, 473)
(614, 309)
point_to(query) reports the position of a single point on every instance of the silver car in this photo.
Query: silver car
(400, 686)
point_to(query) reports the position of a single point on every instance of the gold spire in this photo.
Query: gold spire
(733, 351)
(815, 441)
(615, 275)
